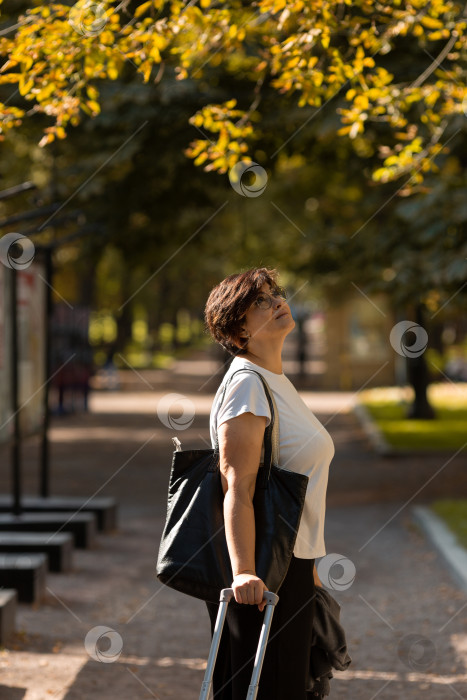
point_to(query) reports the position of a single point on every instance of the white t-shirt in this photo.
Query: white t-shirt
(305, 445)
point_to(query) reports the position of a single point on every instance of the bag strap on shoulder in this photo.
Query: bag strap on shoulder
(271, 433)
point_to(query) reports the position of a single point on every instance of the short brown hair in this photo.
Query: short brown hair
(228, 303)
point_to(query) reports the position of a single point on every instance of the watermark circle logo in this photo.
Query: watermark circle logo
(400, 342)
(88, 18)
(336, 572)
(95, 636)
(171, 403)
(416, 652)
(16, 251)
(241, 173)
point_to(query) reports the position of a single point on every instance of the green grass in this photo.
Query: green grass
(388, 407)
(454, 513)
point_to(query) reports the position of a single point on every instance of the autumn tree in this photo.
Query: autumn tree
(308, 52)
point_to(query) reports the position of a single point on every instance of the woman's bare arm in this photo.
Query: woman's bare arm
(240, 442)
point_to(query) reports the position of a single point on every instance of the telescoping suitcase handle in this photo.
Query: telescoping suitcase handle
(225, 597)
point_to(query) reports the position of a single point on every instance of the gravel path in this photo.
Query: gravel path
(404, 616)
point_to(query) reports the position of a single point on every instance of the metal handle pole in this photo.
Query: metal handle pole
(272, 599)
(225, 597)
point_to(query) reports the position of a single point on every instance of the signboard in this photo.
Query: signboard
(31, 347)
(6, 425)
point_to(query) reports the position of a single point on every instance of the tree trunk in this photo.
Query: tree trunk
(436, 337)
(155, 312)
(301, 346)
(87, 285)
(418, 377)
(124, 319)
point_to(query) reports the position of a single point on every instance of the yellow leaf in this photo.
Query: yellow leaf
(39, 66)
(9, 64)
(106, 37)
(155, 55)
(45, 92)
(48, 138)
(141, 9)
(94, 106)
(381, 174)
(219, 162)
(279, 5)
(197, 120)
(24, 88)
(317, 78)
(10, 78)
(112, 70)
(441, 34)
(196, 147)
(431, 98)
(88, 68)
(93, 94)
(361, 102)
(146, 70)
(159, 41)
(201, 158)
(431, 22)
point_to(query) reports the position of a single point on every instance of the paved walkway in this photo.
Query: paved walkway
(402, 591)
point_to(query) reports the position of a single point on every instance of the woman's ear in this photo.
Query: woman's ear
(241, 340)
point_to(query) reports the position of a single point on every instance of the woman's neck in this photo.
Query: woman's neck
(270, 360)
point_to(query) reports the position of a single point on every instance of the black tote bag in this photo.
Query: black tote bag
(193, 555)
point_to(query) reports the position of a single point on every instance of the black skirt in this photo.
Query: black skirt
(286, 668)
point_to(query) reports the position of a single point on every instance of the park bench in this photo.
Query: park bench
(26, 573)
(81, 525)
(104, 507)
(8, 604)
(58, 547)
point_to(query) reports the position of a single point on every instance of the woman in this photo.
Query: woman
(248, 315)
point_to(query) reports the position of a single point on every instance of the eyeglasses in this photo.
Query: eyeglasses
(264, 301)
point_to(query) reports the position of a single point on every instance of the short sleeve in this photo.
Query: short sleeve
(245, 393)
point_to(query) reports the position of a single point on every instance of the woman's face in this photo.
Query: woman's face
(267, 325)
